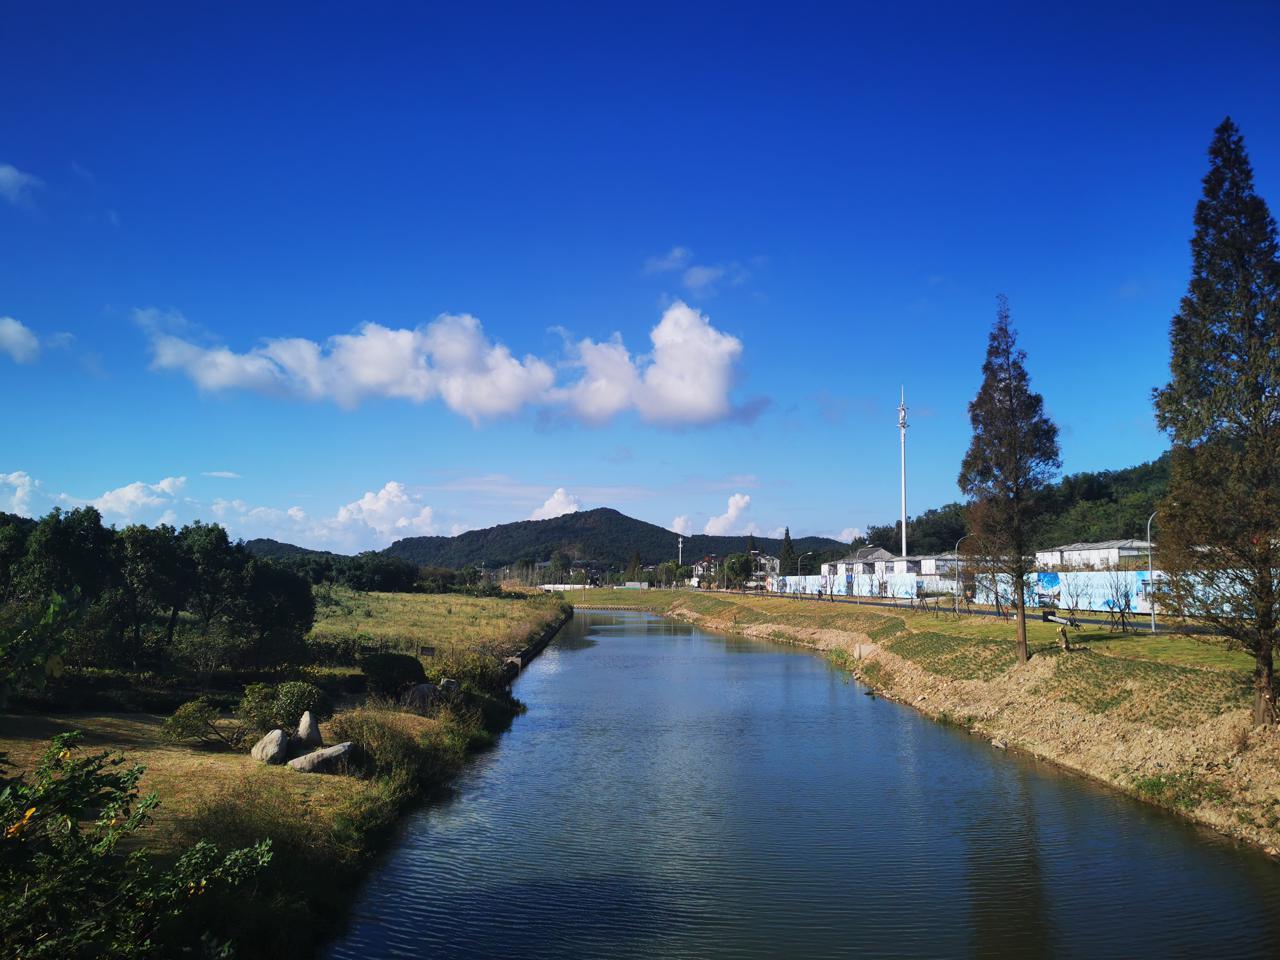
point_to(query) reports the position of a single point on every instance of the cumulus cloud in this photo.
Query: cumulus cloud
(17, 340)
(131, 499)
(23, 487)
(682, 526)
(724, 524)
(849, 534)
(557, 505)
(685, 379)
(17, 187)
(372, 521)
(221, 474)
(449, 358)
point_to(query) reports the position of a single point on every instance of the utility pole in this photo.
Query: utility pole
(902, 431)
(679, 551)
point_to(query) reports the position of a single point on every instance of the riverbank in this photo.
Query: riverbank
(325, 830)
(1165, 719)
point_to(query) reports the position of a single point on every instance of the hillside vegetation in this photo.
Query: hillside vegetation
(602, 536)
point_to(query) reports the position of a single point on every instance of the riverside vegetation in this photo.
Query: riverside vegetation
(133, 822)
(1163, 718)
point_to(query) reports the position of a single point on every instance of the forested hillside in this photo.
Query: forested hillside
(602, 536)
(1081, 507)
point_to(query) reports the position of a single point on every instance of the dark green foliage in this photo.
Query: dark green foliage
(68, 887)
(33, 638)
(601, 536)
(737, 569)
(365, 571)
(1012, 456)
(266, 707)
(787, 562)
(389, 673)
(153, 597)
(197, 722)
(1221, 408)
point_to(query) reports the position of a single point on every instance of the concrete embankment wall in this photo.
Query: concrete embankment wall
(537, 643)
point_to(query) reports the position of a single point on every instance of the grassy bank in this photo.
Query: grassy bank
(324, 829)
(1164, 718)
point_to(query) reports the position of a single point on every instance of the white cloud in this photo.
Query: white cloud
(449, 358)
(24, 486)
(557, 505)
(673, 259)
(17, 187)
(682, 526)
(686, 379)
(390, 511)
(699, 279)
(221, 474)
(848, 534)
(17, 340)
(371, 522)
(132, 498)
(723, 525)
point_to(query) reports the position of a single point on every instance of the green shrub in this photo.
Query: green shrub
(389, 673)
(68, 890)
(383, 745)
(197, 721)
(265, 707)
(475, 672)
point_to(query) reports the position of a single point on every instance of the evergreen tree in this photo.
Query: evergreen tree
(1221, 407)
(751, 543)
(787, 562)
(1013, 455)
(635, 567)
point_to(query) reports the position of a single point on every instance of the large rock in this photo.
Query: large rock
(421, 696)
(309, 731)
(329, 760)
(273, 748)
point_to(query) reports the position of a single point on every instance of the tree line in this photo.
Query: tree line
(1218, 525)
(144, 597)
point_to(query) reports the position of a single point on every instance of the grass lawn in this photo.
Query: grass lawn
(183, 777)
(446, 621)
(881, 624)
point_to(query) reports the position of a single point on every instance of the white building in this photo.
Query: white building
(862, 562)
(763, 565)
(1090, 556)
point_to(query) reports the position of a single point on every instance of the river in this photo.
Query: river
(676, 793)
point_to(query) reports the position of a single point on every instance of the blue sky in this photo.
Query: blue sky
(406, 270)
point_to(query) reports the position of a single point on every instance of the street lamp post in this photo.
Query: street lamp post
(1151, 573)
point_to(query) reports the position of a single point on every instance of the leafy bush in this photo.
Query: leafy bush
(198, 721)
(389, 673)
(264, 707)
(475, 671)
(68, 890)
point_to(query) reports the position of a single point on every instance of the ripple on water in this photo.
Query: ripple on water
(668, 794)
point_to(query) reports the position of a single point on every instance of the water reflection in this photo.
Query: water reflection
(674, 794)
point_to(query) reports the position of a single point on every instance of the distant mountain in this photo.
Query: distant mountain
(601, 536)
(275, 550)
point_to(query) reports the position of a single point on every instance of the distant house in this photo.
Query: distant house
(707, 568)
(1090, 556)
(862, 562)
(763, 565)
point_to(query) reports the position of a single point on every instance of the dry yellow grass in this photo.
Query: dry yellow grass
(182, 776)
(446, 621)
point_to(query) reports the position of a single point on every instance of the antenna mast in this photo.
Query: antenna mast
(902, 431)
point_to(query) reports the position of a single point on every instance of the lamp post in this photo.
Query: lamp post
(1151, 572)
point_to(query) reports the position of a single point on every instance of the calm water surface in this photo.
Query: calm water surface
(679, 794)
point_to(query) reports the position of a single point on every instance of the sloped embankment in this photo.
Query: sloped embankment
(1173, 734)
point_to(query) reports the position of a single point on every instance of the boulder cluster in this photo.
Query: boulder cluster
(303, 750)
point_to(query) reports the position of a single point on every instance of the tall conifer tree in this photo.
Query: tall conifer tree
(787, 563)
(1013, 454)
(1221, 519)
